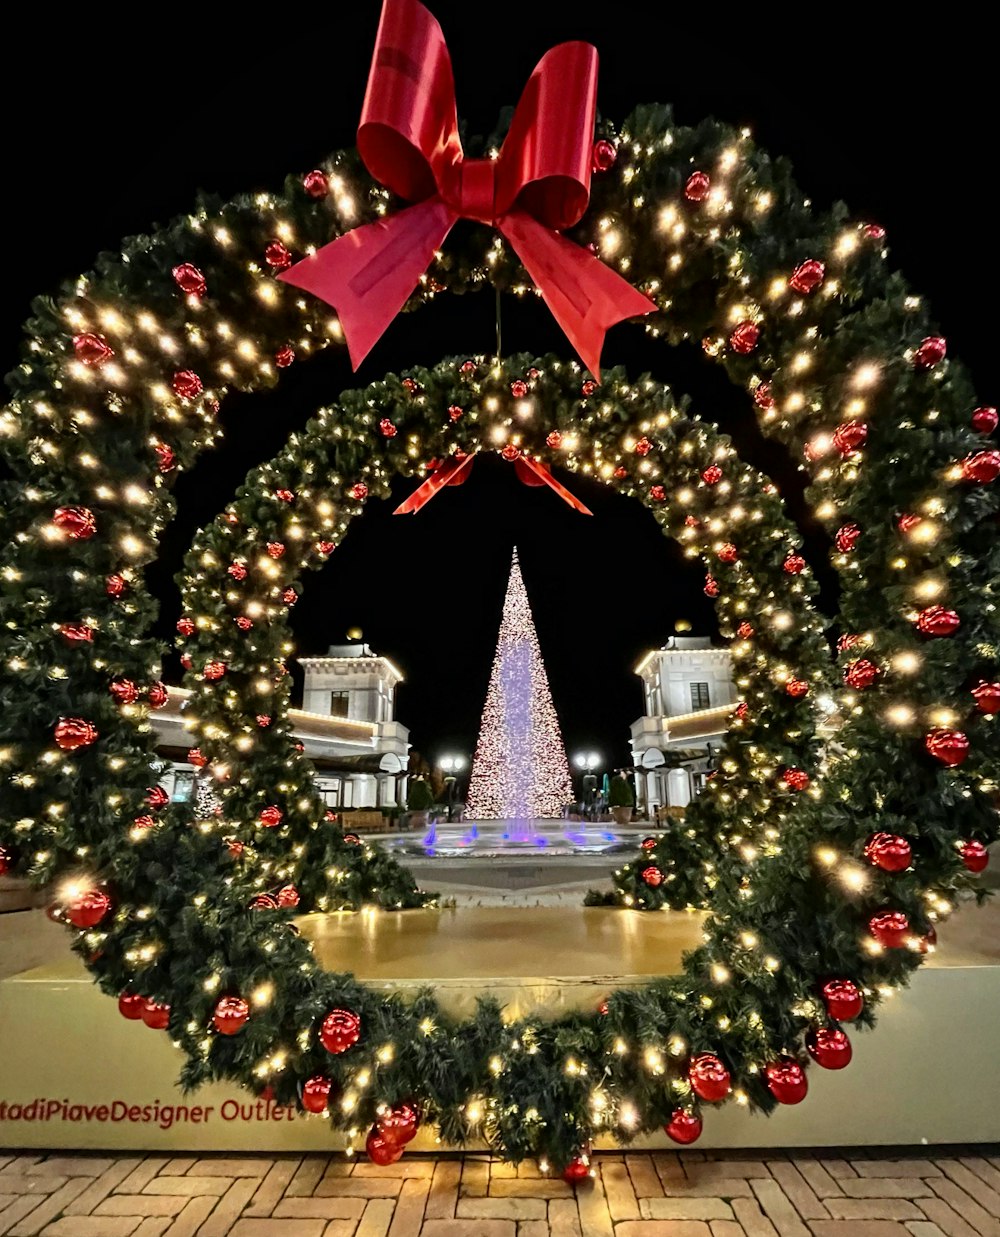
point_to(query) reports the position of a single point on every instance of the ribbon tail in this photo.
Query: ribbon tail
(368, 274)
(586, 297)
(531, 472)
(451, 472)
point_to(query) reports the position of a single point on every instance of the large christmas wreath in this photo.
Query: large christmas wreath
(824, 879)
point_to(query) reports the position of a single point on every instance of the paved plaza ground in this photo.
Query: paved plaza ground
(923, 1192)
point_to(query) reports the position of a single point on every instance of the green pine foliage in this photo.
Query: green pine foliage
(620, 792)
(419, 796)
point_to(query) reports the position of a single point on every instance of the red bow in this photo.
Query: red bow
(538, 185)
(455, 471)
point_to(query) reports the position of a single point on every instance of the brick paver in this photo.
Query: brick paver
(951, 1192)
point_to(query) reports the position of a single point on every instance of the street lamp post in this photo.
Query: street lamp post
(452, 764)
(587, 763)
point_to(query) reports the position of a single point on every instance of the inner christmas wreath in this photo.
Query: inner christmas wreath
(825, 873)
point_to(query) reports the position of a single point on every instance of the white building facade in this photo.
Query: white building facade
(346, 725)
(689, 694)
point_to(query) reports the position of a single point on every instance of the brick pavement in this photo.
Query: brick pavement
(926, 1192)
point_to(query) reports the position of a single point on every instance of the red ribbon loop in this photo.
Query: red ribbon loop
(538, 185)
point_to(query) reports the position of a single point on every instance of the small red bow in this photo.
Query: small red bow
(538, 185)
(455, 471)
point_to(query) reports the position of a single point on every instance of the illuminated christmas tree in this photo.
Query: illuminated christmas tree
(520, 771)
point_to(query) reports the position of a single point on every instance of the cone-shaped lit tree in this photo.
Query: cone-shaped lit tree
(520, 771)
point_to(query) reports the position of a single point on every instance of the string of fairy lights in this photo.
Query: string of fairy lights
(119, 389)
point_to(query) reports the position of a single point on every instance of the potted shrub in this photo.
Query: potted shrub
(419, 798)
(621, 799)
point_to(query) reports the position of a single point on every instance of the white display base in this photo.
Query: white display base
(74, 1074)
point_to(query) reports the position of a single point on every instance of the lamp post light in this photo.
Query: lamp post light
(587, 763)
(452, 763)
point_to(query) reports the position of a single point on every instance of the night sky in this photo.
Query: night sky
(130, 120)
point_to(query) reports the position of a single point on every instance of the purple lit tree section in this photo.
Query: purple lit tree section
(520, 770)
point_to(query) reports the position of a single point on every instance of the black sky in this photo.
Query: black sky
(124, 116)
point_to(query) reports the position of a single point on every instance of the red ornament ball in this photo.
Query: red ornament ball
(270, 816)
(648, 843)
(795, 779)
(874, 232)
(71, 733)
(196, 758)
(518, 389)
(589, 387)
(166, 460)
(786, 1080)
(352, 839)
(316, 184)
(987, 697)
(684, 1126)
(410, 386)
(91, 349)
(284, 356)
(742, 711)
(455, 412)
(386, 428)
(263, 720)
(238, 571)
(643, 446)
(213, 671)
(794, 564)
(807, 276)
(77, 633)
(325, 547)
(907, 522)
(316, 1093)
(275, 549)
(124, 691)
(577, 1170)
(359, 491)
(937, 621)
(889, 851)
(745, 631)
(620, 473)
(155, 1015)
(711, 588)
(843, 999)
(78, 523)
(88, 908)
(949, 747)
(288, 897)
(189, 279)
(974, 854)
(186, 384)
(829, 1047)
(709, 1078)
(981, 468)
(728, 553)
(850, 437)
(697, 187)
(652, 876)
(289, 596)
(130, 1005)
(762, 396)
(379, 1150)
(277, 257)
(890, 928)
(243, 622)
(984, 420)
(657, 493)
(6, 861)
(144, 822)
(554, 440)
(231, 1015)
(861, 673)
(511, 453)
(398, 1125)
(115, 585)
(931, 352)
(797, 688)
(745, 338)
(846, 538)
(340, 1031)
(603, 156)
(263, 902)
